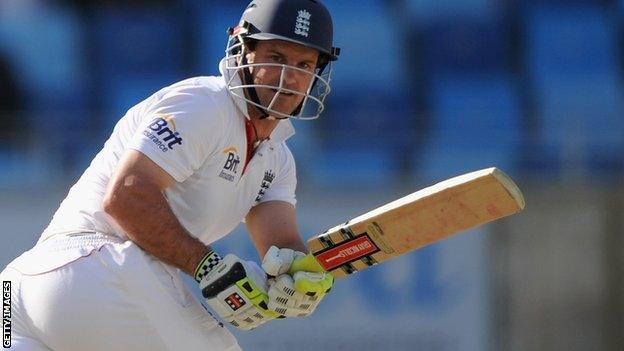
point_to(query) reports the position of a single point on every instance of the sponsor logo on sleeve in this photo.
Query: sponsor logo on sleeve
(266, 183)
(230, 168)
(162, 132)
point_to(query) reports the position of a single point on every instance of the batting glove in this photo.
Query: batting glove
(294, 295)
(278, 261)
(236, 290)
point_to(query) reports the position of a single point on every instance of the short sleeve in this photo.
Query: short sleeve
(179, 130)
(285, 183)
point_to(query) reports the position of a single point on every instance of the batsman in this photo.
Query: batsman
(180, 170)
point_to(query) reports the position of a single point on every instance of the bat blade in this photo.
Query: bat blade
(413, 221)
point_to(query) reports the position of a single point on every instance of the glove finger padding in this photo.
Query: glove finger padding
(277, 261)
(286, 300)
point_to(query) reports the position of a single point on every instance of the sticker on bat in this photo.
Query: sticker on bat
(346, 252)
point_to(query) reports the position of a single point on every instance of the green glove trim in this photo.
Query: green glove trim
(257, 297)
(314, 284)
(306, 263)
(206, 264)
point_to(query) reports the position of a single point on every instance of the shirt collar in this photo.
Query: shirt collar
(284, 129)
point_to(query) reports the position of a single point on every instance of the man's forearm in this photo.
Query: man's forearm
(143, 213)
(274, 223)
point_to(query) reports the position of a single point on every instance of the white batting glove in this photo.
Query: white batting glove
(236, 290)
(297, 295)
(277, 261)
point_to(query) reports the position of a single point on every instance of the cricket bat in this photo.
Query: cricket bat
(411, 222)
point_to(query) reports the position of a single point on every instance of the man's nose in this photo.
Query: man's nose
(290, 77)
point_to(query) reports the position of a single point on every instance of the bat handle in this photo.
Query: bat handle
(306, 263)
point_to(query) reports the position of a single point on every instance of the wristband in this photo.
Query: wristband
(206, 264)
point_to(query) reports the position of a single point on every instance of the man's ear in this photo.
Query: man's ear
(250, 56)
(250, 50)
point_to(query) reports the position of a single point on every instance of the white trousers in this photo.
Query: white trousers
(115, 298)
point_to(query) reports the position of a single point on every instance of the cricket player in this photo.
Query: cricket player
(181, 170)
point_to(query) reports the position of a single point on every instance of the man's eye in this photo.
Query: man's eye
(276, 58)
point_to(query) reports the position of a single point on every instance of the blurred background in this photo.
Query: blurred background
(424, 90)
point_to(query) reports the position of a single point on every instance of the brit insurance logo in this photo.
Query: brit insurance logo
(162, 132)
(230, 168)
(302, 23)
(266, 183)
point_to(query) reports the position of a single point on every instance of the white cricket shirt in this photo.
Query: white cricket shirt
(195, 131)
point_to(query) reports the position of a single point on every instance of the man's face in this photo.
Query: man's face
(282, 53)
